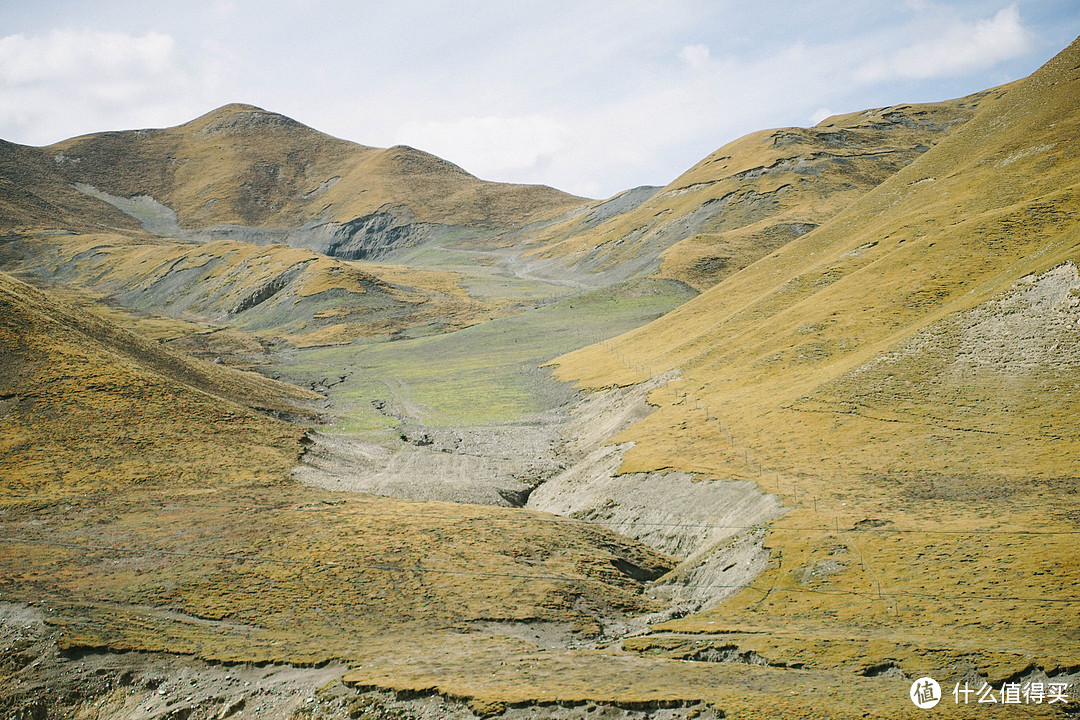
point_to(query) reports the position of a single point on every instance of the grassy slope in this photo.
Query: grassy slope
(295, 295)
(757, 193)
(904, 376)
(89, 406)
(32, 196)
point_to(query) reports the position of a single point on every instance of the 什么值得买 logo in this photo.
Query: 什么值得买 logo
(925, 693)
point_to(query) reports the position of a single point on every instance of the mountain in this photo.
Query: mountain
(171, 220)
(750, 197)
(903, 377)
(246, 173)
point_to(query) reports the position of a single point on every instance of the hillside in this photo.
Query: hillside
(32, 195)
(903, 378)
(143, 511)
(87, 403)
(274, 292)
(752, 196)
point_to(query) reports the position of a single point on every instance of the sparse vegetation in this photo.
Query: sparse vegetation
(908, 337)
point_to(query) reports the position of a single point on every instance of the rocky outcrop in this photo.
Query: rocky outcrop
(375, 236)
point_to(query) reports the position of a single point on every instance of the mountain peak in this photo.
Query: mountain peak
(241, 117)
(231, 108)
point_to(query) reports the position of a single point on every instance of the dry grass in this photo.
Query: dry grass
(910, 363)
(275, 291)
(243, 165)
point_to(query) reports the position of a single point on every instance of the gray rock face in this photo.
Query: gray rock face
(374, 236)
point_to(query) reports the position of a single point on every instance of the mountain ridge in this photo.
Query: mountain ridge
(245, 167)
(758, 192)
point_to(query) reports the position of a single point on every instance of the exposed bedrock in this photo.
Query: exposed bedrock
(375, 236)
(713, 524)
(480, 466)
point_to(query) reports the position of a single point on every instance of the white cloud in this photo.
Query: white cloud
(68, 82)
(959, 50)
(696, 56)
(67, 55)
(493, 148)
(820, 114)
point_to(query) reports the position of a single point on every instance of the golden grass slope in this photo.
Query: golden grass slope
(757, 193)
(297, 295)
(243, 165)
(906, 376)
(90, 407)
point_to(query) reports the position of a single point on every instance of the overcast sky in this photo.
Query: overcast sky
(590, 96)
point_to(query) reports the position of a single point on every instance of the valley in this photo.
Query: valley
(295, 427)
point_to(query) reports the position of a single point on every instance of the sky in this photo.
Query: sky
(591, 96)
